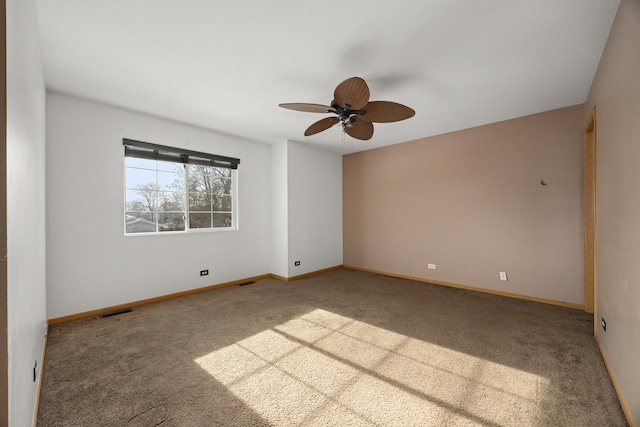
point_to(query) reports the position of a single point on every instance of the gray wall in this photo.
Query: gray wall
(315, 208)
(91, 263)
(26, 291)
(289, 204)
(306, 216)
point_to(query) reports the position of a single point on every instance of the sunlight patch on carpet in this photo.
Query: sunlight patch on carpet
(322, 368)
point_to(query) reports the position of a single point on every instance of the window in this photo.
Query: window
(169, 189)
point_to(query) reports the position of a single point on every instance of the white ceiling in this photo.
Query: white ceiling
(226, 65)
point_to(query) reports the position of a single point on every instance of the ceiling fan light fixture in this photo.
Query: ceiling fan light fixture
(348, 122)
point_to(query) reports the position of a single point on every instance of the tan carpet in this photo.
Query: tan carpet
(343, 348)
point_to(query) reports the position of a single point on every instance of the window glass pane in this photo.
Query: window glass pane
(221, 185)
(140, 163)
(199, 220)
(216, 203)
(199, 178)
(140, 222)
(168, 166)
(199, 201)
(141, 200)
(170, 180)
(137, 177)
(222, 203)
(222, 220)
(148, 216)
(221, 172)
(170, 221)
(171, 201)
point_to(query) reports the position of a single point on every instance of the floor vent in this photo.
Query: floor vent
(246, 283)
(117, 312)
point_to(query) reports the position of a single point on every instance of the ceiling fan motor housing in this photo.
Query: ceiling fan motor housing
(345, 113)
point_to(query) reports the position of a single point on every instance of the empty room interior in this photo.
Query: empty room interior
(286, 213)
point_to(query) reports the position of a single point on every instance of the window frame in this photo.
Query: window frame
(185, 158)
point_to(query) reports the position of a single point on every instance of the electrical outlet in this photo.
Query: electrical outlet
(297, 263)
(35, 371)
(431, 266)
(604, 324)
(503, 276)
(204, 272)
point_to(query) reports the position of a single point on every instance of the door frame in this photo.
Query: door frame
(590, 223)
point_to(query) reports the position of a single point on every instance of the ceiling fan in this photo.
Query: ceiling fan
(353, 110)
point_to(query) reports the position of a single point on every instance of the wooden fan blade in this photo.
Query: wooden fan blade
(308, 108)
(360, 130)
(353, 91)
(321, 125)
(385, 112)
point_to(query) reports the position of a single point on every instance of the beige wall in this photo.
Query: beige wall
(471, 202)
(616, 94)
